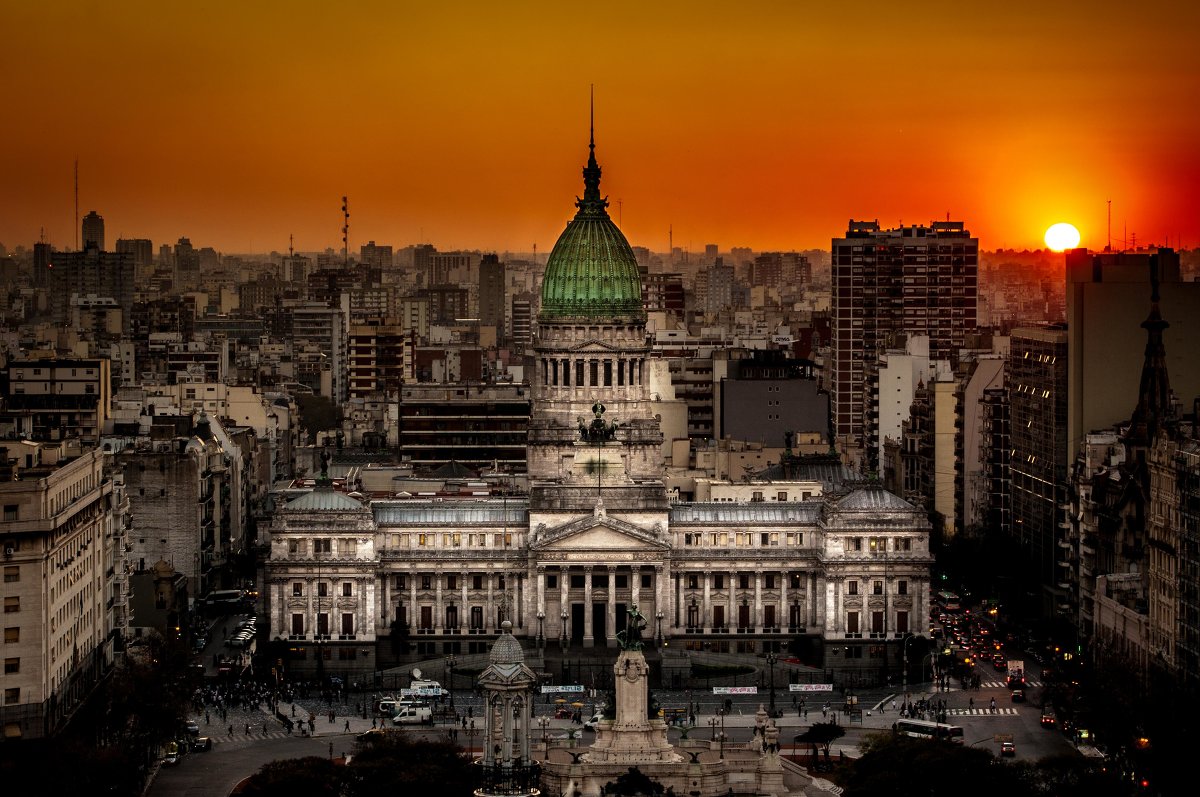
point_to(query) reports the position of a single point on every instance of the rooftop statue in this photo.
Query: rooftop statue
(631, 637)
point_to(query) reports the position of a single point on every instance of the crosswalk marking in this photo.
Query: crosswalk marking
(980, 712)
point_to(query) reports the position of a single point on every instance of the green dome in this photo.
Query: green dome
(592, 272)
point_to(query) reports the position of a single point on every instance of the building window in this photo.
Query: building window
(576, 581)
(718, 581)
(877, 588)
(322, 545)
(12, 635)
(12, 666)
(854, 543)
(293, 545)
(401, 582)
(12, 573)
(347, 624)
(12, 695)
(426, 582)
(781, 495)
(646, 581)
(903, 543)
(757, 496)
(770, 581)
(852, 623)
(901, 587)
(451, 582)
(876, 622)
(347, 589)
(794, 580)
(693, 581)
(902, 622)
(852, 587)
(622, 581)
(12, 604)
(323, 624)
(11, 512)
(743, 581)
(297, 625)
(551, 581)
(322, 589)
(476, 582)
(297, 588)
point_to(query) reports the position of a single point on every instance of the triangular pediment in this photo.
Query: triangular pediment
(599, 533)
(594, 344)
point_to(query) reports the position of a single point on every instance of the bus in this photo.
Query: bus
(923, 729)
(948, 601)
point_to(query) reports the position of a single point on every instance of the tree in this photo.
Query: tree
(903, 766)
(317, 414)
(633, 783)
(822, 735)
(299, 777)
(392, 763)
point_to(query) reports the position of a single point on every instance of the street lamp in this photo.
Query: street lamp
(771, 659)
(904, 665)
(450, 662)
(544, 722)
(563, 638)
(721, 712)
(541, 617)
(713, 721)
(658, 615)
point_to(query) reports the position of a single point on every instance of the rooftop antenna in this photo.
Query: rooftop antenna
(535, 254)
(291, 245)
(670, 243)
(1108, 246)
(620, 214)
(592, 116)
(77, 204)
(346, 232)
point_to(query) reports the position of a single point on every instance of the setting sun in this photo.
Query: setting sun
(1062, 236)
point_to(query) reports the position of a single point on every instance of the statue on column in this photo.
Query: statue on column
(631, 637)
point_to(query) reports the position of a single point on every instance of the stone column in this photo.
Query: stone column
(588, 639)
(464, 616)
(635, 587)
(757, 619)
(705, 618)
(383, 602)
(813, 608)
(541, 590)
(611, 623)
(518, 602)
(564, 579)
(731, 614)
(783, 614)
(489, 620)
(439, 610)
(414, 614)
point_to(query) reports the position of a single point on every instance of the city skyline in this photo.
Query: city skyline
(467, 127)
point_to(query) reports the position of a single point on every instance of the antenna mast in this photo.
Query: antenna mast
(291, 245)
(1108, 248)
(77, 204)
(346, 232)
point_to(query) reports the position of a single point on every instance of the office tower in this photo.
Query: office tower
(1037, 387)
(1105, 357)
(913, 279)
(42, 261)
(720, 287)
(93, 231)
(491, 295)
(522, 322)
(324, 328)
(141, 251)
(187, 266)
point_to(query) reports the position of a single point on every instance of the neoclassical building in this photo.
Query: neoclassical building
(844, 563)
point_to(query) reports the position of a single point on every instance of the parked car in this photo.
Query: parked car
(412, 715)
(202, 744)
(590, 725)
(1008, 749)
(193, 728)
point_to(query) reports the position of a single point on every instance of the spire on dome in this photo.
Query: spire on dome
(1154, 392)
(592, 203)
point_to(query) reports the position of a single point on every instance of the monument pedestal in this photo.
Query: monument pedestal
(631, 737)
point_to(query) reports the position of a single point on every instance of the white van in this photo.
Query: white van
(414, 714)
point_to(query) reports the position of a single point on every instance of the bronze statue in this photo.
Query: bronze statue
(631, 637)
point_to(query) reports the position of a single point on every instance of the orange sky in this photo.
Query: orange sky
(464, 124)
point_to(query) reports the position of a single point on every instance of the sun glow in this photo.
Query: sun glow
(1062, 236)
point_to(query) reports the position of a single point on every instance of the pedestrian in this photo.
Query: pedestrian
(347, 726)
(464, 722)
(247, 729)
(206, 719)
(231, 730)
(893, 705)
(971, 702)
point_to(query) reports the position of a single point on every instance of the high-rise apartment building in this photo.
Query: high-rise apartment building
(913, 279)
(375, 255)
(1037, 387)
(140, 249)
(93, 231)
